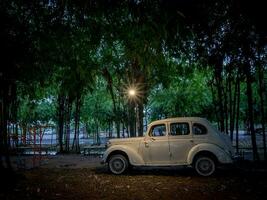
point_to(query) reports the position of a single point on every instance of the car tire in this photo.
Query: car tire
(118, 164)
(205, 165)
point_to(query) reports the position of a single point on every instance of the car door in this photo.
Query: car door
(180, 141)
(156, 146)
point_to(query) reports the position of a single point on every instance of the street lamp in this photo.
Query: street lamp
(132, 92)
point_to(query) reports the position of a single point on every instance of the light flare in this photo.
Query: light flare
(132, 92)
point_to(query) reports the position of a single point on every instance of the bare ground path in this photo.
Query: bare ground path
(82, 177)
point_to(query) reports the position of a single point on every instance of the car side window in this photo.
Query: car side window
(158, 130)
(199, 129)
(179, 129)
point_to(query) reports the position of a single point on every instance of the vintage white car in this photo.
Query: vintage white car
(189, 141)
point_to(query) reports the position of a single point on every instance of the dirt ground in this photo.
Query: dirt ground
(83, 177)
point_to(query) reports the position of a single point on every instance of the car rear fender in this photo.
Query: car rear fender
(221, 155)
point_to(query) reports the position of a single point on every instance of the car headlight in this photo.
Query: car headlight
(108, 143)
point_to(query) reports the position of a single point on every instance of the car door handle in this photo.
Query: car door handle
(146, 144)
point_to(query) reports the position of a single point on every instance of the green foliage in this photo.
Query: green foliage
(39, 109)
(97, 108)
(94, 51)
(187, 95)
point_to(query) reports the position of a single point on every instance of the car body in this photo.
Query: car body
(189, 141)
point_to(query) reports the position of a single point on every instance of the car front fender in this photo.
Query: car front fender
(221, 155)
(134, 157)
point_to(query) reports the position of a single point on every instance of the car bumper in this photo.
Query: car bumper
(237, 157)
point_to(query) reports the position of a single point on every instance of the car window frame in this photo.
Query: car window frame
(182, 122)
(207, 132)
(166, 130)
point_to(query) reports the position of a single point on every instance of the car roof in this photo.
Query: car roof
(175, 119)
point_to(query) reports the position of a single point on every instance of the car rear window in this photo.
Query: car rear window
(199, 129)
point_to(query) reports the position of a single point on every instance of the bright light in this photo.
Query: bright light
(132, 92)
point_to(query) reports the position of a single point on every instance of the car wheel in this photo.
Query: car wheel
(118, 164)
(205, 166)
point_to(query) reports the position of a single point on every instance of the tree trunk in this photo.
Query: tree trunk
(7, 89)
(17, 134)
(108, 78)
(217, 63)
(77, 121)
(68, 107)
(231, 106)
(250, 112)
(61, 106)
(2, 124)
(237, 114)
(97, 133)
(118, 128)
(109, 129)
(131, 121)
(140, 117)
(226, 108)
(233, 109)
(262, 101)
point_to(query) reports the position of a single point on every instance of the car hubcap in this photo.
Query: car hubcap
(117, 165)
(205, 166)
